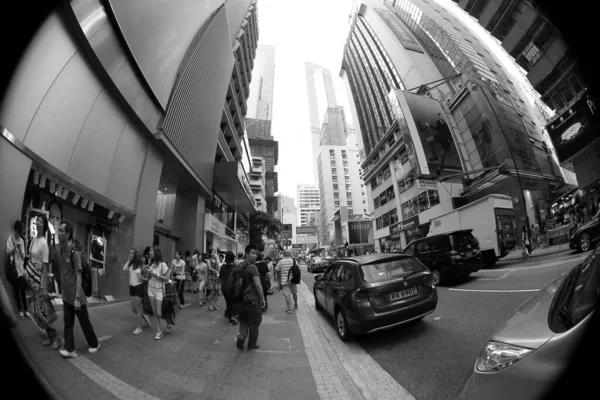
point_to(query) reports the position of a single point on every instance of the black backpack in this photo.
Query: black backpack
(296, 274)
(235, 284)
(86, 274)
(263, 270)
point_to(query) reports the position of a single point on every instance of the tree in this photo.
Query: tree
(261, 224)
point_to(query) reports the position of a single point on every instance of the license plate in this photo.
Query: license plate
(403, 294)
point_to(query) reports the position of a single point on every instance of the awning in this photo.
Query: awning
(484, 181)
(231, 184)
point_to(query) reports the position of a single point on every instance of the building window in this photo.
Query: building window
(346, 171)
(373, 184)
(345, 163)
(378, 224)
(434, 198)
(334, 170)
(335, 186)
(383, 198)
(331, 151)
(336, 203)
(532, 53)
(364, 202)
(348, 186)
(349, 204)
(347, 178)
(386, 219)
(364, 210)
(333, 163)
(386, 172)
(336, 195)
(334, 178)
(350, 211)
(376, 202)
(349, 195)
(393, 216)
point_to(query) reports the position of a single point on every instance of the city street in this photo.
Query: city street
(431, 359)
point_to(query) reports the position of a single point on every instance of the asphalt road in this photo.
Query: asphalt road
(432, 358)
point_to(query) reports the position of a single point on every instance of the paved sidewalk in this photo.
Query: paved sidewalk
(197, 360)
(517, 254)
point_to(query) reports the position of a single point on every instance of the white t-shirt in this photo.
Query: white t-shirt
(39, 252)
(161, 269)
(178, 269)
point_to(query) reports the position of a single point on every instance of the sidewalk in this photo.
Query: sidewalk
(197, 360)
(517, 253)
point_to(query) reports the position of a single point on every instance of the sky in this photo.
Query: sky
(307, 30)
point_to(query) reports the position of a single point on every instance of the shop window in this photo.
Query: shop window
(434, 198)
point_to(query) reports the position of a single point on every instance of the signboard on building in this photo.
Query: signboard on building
(285, 235)
(423, 184)
(213, 225)
(306, 230)
(404, 225)
(306, 239)
(401, 32)
(296, 246)
(571, 132)
(359, 231)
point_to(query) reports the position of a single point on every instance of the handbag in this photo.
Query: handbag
(44, 313)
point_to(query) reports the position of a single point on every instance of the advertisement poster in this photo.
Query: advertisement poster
(359, 231)
(432, 139)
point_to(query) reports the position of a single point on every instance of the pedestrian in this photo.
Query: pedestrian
(288, 289)
(159, 273)
(213, 283)
(135, 266)
(270, 267)
(201, 271)
(15, 273)
(224, 274)
(36, 274)
(526, 238)
(188, 271)
(265, 279)
(240, 258)
(196, 259)
(249, 312)
(178, 275)
(74, 300)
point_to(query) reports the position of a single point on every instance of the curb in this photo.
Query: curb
(48, 388)
(533, 255)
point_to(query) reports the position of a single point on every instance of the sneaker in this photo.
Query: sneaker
(240, 343)
(47, 342)
(181, 307)
(27, 315)
(289, 311)
(232, 321)
(68, 354)
(57, 343)
(217, 308)
(138, 331)
(159, 335)
(254, 347)
(94, 350)
(296, 306)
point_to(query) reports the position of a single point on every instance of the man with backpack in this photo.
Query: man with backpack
(245, 289)
(73, 296)
(265, 278)
(288, 276)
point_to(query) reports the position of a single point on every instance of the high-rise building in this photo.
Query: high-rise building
(258, 183)
(338, 168)
(321, 95)
(308, 203)
(258, 123)
(148, 147)
(260, 102)
(539, 48)
(288, 213)
(419, 47)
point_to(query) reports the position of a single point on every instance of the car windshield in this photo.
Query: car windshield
(578, 294)
(390, 269)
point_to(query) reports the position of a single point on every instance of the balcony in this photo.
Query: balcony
(231, 183)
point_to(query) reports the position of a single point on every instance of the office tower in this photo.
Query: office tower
(258, 123)
(258, 182)
(308, 203)
(406, 61)
(538, 47)
(321, 95)
(340, 185)
(288, 213)
(260, 102)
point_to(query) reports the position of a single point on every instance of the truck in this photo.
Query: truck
(492, 219)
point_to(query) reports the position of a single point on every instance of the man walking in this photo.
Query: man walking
(284, 277)
(74, 300)
(224, 274)
(265, 278)
(249, 312)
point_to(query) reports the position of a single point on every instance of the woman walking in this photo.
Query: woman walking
(15, 273)
(526, 238)
(178, 274)
(188, 271)
(201, 272)
(135, 266)
(159, 273)
(213, 282)
(36, 274)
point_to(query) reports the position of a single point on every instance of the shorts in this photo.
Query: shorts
(290, 289)
(156, 293)
(137, 291)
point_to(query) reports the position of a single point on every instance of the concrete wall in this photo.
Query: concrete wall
(143, 229)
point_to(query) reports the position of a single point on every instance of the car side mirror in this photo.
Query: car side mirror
(318, 278)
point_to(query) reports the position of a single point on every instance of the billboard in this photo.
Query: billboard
(306, 239)
(572, 131)
(401, 32)
(427, 134)
(359, 231)
(306, 230)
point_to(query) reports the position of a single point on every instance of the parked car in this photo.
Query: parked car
(452, 255)
(585, 237)
(368, 293)
(317, 264)
(529, 352)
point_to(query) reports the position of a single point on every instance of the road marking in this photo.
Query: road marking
(496, 279)
(536, 266)
(353, 372)
(495, 291)
(108, 382)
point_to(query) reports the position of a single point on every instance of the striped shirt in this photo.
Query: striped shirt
(283, 267)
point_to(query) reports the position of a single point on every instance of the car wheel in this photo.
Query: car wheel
(317, 305)
(437, 277)
(584, 241)
(342, 326)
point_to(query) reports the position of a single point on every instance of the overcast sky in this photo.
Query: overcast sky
(307, 30)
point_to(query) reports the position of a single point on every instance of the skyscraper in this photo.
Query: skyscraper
(447, 70)
(260, 102)
(308, 203)
(321, 95)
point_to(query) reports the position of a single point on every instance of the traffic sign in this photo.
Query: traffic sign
(297, 246)
(286, 234)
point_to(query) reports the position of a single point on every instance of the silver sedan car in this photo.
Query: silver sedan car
(528, 353)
